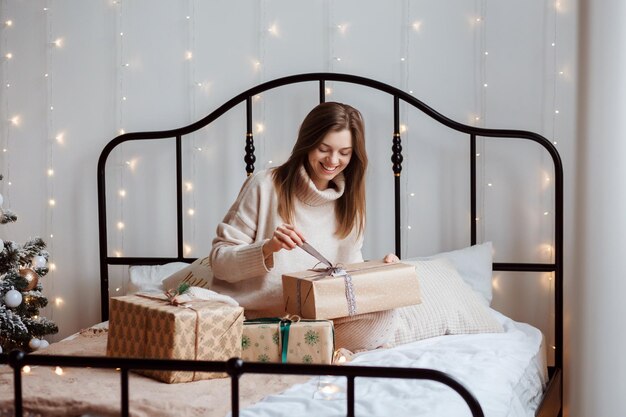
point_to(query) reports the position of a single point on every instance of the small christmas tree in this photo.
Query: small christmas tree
(21, 268)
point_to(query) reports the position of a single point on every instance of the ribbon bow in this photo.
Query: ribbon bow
(335, 271)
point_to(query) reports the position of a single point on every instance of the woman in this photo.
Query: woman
(317, 196)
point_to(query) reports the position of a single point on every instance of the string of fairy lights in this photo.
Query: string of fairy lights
(55, 137)
(194, 149)
(10, 121)
(123, 164)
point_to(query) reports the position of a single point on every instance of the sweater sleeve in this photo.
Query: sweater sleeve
(237, 254)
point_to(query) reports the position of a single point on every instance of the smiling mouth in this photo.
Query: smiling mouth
(328, 169)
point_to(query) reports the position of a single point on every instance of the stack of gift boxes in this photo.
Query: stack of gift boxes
(150, 326)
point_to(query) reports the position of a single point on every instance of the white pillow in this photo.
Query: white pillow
(474, 264)
(449, 306)
(149, 278)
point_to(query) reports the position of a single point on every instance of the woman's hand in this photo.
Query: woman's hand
(391, 258)
(286, 236)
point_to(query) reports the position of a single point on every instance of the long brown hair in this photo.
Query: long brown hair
(325, 118)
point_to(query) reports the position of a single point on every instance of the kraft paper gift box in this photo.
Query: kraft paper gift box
(368, 287)
(149, 326)
(287, 341)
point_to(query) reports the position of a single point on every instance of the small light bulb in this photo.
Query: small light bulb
(121, 33)
(50, 172)
(260, 128)
(51, 107)
(8, 85)
(408, 227)
(485, 85)
(15, 120)
(122, 193)
(187, 249)
(337, 59)
(402, 59)
(118, 254)
(477, 118)
(191, 212)
(117, 289)
(58, 42)
(46, 75)
(412, 194)
(561, 72)
(489, 184)
(8, 55)
(188, 186)
(188, 55)
(269, 162)
(187, 17)
(26, 369)
(545, 213)
(60, 138)
(53, 267)
(120, 225)
(410, 91)
(328, 91)
(477, 219)
(51, 236)
(126, 65)
(58, 301)
(199, 149)
(417, 25)
(58, 370)
(554, 142)
(486, 53)
(273, 30)
(9, 23)
(556, 112)
(51, 202)
(478, 19)
(402, 128)
(553, 44)
(121, 131)
(124, 98)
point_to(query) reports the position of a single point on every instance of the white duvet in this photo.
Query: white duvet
(504, 371)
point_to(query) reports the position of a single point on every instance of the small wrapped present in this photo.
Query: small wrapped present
(150, 326)
(288, 340)
(359, 288)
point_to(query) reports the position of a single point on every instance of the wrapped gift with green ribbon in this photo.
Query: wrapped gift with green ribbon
(288, 340)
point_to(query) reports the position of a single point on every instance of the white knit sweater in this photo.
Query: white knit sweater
(237, 256)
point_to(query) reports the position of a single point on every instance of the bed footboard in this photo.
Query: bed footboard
(234, 367)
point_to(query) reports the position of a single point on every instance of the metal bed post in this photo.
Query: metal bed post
(397, 158)
(473, 189)
(179, 196)
(322, 90)
(124, 393)
(250, 158)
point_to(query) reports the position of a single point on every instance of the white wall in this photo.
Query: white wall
(598, 309)
(445, 64)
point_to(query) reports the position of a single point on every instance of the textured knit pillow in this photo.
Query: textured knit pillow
(197, 274)
(474, 264)
(449, 306)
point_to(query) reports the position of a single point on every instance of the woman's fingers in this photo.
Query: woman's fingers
(287, 237)
(391, 258)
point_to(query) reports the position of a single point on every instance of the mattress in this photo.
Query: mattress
(506, 372)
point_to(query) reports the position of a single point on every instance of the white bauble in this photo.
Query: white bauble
(13, 298)
(0, 349)
(39, 261)
(1, 245)
(34, 343)
(1, 200)
(44, 344)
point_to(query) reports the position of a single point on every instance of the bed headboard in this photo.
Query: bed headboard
(396, 158)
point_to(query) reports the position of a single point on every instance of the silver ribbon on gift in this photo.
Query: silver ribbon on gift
(330, 270)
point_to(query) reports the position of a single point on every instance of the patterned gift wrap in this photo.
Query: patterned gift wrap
(288, 341)
(360, 288)
(146, 326)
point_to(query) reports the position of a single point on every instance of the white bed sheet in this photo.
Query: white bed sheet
(506, 372)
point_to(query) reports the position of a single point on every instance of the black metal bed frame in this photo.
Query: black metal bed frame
(551, 404)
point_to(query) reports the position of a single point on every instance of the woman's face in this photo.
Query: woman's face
(330, 157)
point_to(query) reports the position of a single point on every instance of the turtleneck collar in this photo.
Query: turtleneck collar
(310, 195)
